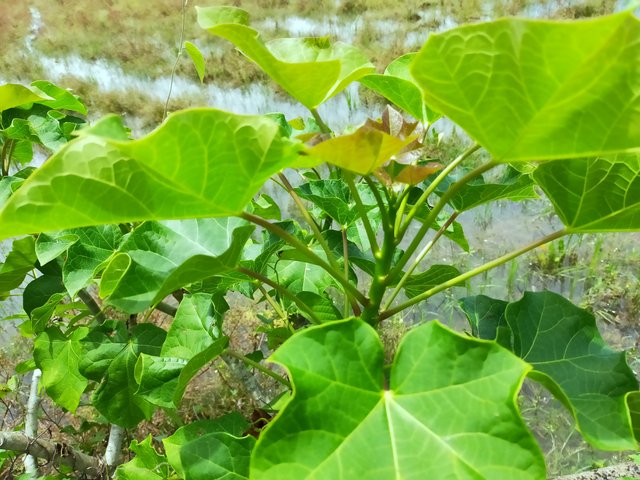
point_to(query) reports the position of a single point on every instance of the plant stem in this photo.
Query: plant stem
(310, 221)
(472, 273)
(304, 249)
(91, 304)
(324, 128)
(432, 187)
(175, 65)
(282, 291)
(7, 152)
(362, 212)
(345, 258)
(31, 422)
(374, 189)
(433, 214)
(259, 367)
(112, 453)
(418, 259)
(166, 308)
(276, 308)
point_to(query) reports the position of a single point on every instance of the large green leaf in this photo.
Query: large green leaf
(562, 343)
(535, 90)
(158, 258)
(199, 163)
(594, 195)
(311, 70)
(211, 449)
(116, 397)
(19, 262)
(58, 356)
(449, 410)
(434, 276)
(397, 86)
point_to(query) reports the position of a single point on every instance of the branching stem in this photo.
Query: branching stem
(257, 366)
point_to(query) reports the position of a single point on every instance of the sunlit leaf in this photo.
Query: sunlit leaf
(147, 464)
(342, 423)
(311, 70)
(536, 90)
(19, 262)
(196, 57)
(13, 95)
(199, 163)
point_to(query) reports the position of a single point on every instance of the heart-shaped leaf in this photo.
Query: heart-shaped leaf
(199, 163)
(577, 188)
(158, 258)
(531, 90)
(342, 423)
(311, 70)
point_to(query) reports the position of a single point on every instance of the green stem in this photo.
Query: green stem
(259, 367)
(432, 187)
(166, 308)
(304, 249)
(91, 304)
(362, 212)
(175, 65)
(310, 221)
(381, 206)
(472, 273)
(345, 258)
(5, 156)
(433, 214)
(276, 308)
(418, 259)
(282, 291)
(324, 128)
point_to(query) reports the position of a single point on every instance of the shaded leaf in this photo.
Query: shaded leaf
(434, 276)
(569, 357)
(486, 317)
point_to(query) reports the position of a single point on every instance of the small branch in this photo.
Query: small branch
(282, 291)
(166, 308)
(91, 304)
(362, 212)
(324, 128)
(31, 423)
(432, 187)
(304, 249)
(345, 258)
(257, 366)
(613, 473)
(58, 453)
(175, 65)
(472, 273)
(419, 258)
(276, 308)
(310, 221)
(114, 447)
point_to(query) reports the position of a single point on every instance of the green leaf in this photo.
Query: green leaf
(38, 292)
(536, 90)
(196, 57)
(342, 423)
(41, 315)
(209, 445)
(199, 163)
(397, 86)
(116, 397)
(163, 380)
(19, 262)
(578, 187)
(299, 277)
(434, 276)
(58, 356)
(514, 186)
(63, 99)
(166, 256)
(322, 305)
(13, 95)
(568, 355)
(362, 152)
(148, 464)
(266, 207)
(486, 317)
(311, 70)
(332, 197)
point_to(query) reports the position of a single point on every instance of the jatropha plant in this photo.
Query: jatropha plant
(177, 217)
